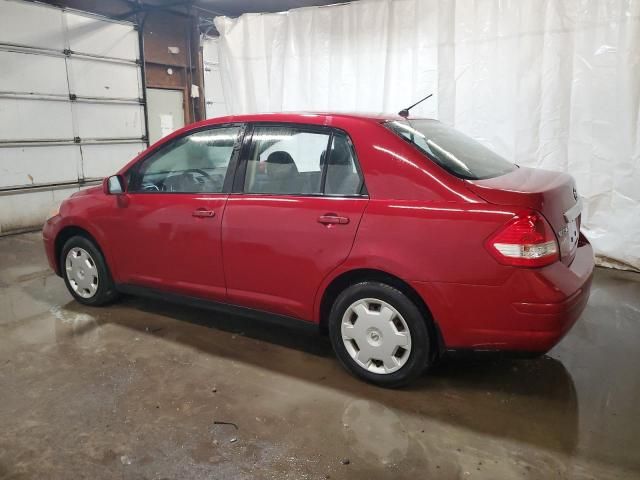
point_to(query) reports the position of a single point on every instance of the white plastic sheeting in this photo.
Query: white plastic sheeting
(553, 84)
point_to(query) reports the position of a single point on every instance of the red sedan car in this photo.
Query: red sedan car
(402, 238)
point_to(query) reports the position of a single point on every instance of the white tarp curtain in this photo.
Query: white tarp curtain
(548, 83)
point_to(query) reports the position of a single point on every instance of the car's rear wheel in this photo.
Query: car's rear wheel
(379, 334)
(86, 273)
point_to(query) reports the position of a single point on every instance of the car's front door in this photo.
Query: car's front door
(171, 213)
(299, 197)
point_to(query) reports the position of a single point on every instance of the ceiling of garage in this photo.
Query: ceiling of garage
(234, 8)
(124, 9)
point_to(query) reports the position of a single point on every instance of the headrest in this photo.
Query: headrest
(280, 158)
(340, 154)
(280, 165)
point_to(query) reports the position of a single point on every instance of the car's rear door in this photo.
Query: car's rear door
(167, 234)
(299, 197)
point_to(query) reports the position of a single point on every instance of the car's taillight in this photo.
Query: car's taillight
(526, 241)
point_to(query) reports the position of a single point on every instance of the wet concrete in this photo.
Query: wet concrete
(135, 390)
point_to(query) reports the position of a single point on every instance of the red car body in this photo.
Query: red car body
(418, 224)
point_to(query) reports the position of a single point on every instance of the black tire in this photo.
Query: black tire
(106, 292)
(416, 322)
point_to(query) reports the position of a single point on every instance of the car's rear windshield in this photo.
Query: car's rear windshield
(454, 151)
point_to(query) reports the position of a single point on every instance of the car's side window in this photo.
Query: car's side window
(342, 174)
(285, 160)
(196, 163)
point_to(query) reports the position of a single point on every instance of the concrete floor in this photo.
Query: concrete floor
(135, 390)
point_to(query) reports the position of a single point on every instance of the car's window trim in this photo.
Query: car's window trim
(229, 174)
(327, 154)
(245, 150)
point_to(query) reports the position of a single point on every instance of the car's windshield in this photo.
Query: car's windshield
(454, 151)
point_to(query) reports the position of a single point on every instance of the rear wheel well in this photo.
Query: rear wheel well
(64, 235)
(353, 277)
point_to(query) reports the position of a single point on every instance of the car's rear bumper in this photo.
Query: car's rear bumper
(530, 312)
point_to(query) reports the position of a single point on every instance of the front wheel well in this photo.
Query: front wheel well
(353, 277)
(65, 234)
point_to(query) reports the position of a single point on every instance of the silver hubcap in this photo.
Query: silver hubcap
(82, 272)
(376, 336)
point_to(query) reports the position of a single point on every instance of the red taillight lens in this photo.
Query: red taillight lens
(526, 241)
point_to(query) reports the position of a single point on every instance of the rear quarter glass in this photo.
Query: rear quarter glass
(454, 151)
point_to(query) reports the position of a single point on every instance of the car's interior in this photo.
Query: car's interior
(276, 167)
(342, 176)
(197, 163)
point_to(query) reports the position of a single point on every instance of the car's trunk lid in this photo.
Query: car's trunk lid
(551, 193)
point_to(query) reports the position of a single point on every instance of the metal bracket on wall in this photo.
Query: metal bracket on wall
(76, 140)
(73, 97)
(67, 52)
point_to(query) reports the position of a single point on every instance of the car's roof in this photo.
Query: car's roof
(336, 119)
(302, 117)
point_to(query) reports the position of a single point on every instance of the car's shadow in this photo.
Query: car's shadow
(531, 401)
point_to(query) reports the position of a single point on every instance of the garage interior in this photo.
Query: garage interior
(149, 389)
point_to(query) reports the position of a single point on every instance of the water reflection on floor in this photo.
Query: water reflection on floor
(137, 389)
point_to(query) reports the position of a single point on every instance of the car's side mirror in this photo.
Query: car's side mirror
(113, 185)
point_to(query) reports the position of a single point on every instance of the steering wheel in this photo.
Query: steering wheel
(199, 172)
(150, 187)
(196, 179)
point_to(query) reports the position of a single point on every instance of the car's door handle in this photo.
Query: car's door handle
(333, 219)
(202, 212)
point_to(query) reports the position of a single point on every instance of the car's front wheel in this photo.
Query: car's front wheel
(86, 273)
(379, 334)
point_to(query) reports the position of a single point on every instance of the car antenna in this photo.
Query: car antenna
(404, 113)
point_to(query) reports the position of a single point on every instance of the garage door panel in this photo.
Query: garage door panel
(215, 99)
(102, 160)
(31, 25)
(96, 36)
(29, 73)
(22, 210)
(109, 120)
(216, 109)
(210, 50)
(37, 165)
(102, 79)
(35, 119)
(213, 81)
(38, 118)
